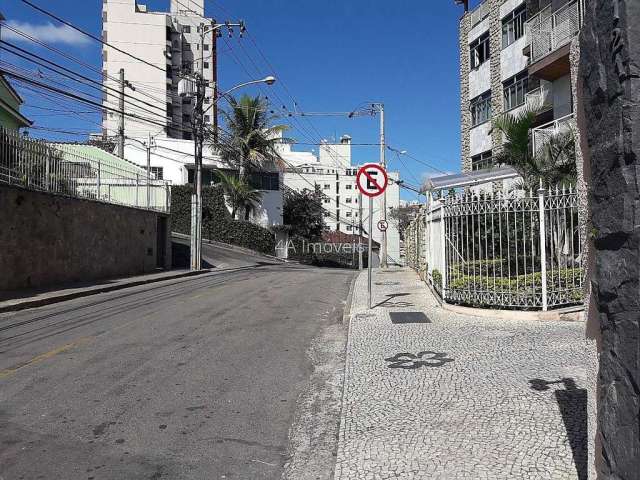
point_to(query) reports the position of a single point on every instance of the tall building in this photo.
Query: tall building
(334, 174)
(169, 43)
(514, 53)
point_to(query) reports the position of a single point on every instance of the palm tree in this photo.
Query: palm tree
(250, 144)
(554, 164)
(239, 194)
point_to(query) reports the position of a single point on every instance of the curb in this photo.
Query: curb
(346, 313)
(92, 291)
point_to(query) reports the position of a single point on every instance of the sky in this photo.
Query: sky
(328, 56)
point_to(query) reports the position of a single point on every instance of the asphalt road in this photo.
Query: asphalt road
(188, 379)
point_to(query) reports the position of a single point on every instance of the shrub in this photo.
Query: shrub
(217, 223)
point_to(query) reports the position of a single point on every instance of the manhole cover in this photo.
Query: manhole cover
(408, 317)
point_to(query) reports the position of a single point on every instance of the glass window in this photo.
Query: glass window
(186, 29)
(513, 25)
(515, 90)
(158, 172)
(480, 51)
(481, 109)
(482, 161)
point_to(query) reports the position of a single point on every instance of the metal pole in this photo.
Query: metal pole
(444, 251)
(383, 162)
(370, 248)
(214, 80)
(121, 120)
(360, 264)
(148, 168)
(543, 248)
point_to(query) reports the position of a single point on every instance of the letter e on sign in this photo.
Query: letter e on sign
(372, 180)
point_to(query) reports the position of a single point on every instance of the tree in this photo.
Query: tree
(250, 143)
(239, 194)
(303, 212)
(554, 164)
(401, 217)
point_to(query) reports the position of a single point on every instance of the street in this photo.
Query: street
(187, 379)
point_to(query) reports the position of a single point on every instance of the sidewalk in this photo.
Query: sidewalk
(457, 397)
(21, 299)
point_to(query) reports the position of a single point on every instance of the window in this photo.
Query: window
(481, 109)
(186, 29)
(207, 119)
(515, 90)
(480, 51)
(207, 100)
(265, 181)
(513, 25)
(327, 186)
(205, 47)
(348, 214)
(349, 228)
(158, 172)
(326, 200)
(348, 200)
(187, 136)
(326, 214)
(349, 187)
(482, 161)
(186, 118)
(186, 100)
(206, 65)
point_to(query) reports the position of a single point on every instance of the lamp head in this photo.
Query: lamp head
(270, 80)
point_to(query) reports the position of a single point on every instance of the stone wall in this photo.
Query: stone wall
(465, 113)
(610, 55)
(415, 246)
(48, 240)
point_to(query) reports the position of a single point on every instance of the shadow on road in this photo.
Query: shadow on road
(572, 402)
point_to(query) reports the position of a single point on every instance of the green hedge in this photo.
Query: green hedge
(217, 223)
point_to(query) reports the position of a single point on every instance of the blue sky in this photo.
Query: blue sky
(329, 55)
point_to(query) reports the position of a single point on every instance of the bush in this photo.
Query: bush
(217, 223)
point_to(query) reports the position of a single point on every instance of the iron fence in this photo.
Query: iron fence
(551, 29)
(67, 170)
(518, 250)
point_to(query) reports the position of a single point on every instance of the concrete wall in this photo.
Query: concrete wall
(48, 240)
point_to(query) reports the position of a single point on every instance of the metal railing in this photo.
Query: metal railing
(479, 13)
(520, 250)
(540, 98)
(549, 30)
(64, 170)
(541, 135)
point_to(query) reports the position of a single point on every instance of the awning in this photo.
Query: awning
(459, 180)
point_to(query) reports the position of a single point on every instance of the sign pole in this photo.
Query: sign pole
(369, 262)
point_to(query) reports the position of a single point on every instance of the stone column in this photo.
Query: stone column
(610, 74)
(465, 113)
(497, 96)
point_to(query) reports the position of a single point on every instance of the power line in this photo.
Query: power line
(84, 32)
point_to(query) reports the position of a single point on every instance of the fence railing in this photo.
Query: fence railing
(540, 98)
(541, 135)
(549, 30)
(520, 250)
(63, 170)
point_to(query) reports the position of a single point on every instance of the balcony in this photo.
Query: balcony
(540, 135)
(479, 13)
(540, 98)
(549, 34)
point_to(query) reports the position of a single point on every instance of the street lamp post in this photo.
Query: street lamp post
(197, 122)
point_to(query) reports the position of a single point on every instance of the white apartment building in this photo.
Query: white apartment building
(170, 42)
(513, 53)
(335, 175)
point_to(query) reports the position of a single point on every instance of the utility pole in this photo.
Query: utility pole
(383, 162)
(214, 80)
(149, 145)
(360, 227)
(121, 121)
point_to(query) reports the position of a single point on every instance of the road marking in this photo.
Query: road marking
(42, 357)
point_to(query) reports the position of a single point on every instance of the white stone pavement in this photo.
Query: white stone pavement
(470, 398)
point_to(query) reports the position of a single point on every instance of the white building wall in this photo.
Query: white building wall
(480, 138)
(478, 30)
(509, 6)
(562, 99)
(512, 60)
(479, 80)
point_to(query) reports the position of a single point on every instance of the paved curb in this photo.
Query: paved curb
(346, 313)
(23, 305)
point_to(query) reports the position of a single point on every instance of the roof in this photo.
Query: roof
(11, 109)
(476, 177)
(12, 90)
(81, 151)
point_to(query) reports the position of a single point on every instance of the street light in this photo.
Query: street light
(198, 127)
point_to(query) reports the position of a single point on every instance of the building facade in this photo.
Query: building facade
(169, 43)
(10, 102)
(515, 53)
(344, 207)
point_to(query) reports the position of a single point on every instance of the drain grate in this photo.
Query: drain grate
(408, 317)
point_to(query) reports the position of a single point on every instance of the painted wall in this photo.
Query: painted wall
(562, 98)
(479, 80)
(48, 240)
(480, 138)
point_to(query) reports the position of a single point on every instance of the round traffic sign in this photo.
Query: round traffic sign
(372, 180)
(383, 225)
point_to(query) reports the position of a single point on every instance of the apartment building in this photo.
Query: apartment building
(515, 53)
(334, 174)
(169, 43)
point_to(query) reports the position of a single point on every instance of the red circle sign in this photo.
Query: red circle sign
(372, 180)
